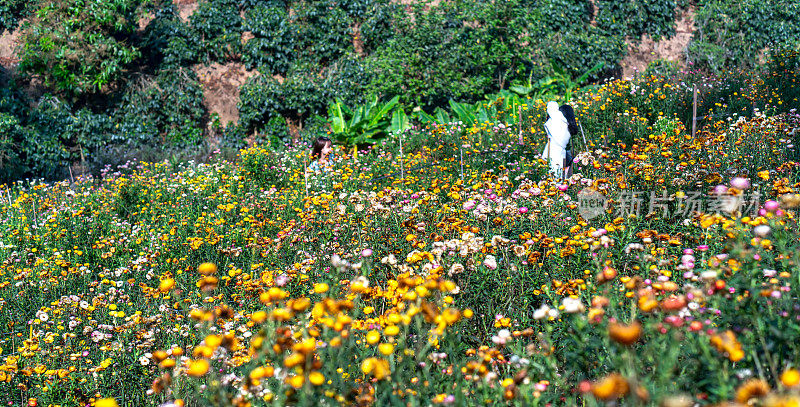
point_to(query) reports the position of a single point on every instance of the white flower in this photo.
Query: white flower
(572, 305)
(456, 268)
(541, 313)
(761, 230)
(490, 262)
(709, 275)
(502, 337)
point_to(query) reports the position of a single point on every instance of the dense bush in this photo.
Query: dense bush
(633, 18)
(79, 47)
(272, 47)
(594, 45)
(10, 13)
(734, 34)
(219, 25)
(168, 42)
(163, 110)
(263, 99)
(315, 32)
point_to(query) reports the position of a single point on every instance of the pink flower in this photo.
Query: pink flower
(523, 210)
(740, 183)
(366, 253)
(719, 189)
(771, 206)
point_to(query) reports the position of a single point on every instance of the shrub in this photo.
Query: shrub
(163, 110)
(298, 97)
(271, 49)
(579, 51)
(219, 25)
(79, 47)
(168, 42)
(12, 165)
(632, 18)
(316, 33)
(734, 34)
(11, 11)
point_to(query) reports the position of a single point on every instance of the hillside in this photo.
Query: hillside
(155, 80)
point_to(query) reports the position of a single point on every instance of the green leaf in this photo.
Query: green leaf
(399, 122)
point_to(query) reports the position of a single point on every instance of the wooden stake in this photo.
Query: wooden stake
(402, 168)
(461, 159)
(694, 110)
(305, 176)
(519, 122)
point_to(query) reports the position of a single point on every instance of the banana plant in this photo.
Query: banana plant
(439, 116)
(363, 125)
(400, 122)
(550, 85)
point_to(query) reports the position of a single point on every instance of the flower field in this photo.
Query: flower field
(451, 271)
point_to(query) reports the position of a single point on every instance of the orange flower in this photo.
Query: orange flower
(166, 284)
(198, 367)
(610, 387)
(207, 269)
(625, 334)
(753, 388)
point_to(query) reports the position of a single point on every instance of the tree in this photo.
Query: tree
(79, 47)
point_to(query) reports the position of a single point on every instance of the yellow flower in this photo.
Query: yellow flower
(321, 288)
(197, 368)
(373, 337)
(207, 269)
(790, 378)
(753, 388)
(296, 381)
(316, 378)
(625, 334)
(166, 284)
(259, 316)
(109, 402)
(386, 348)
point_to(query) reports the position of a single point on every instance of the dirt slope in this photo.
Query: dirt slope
(673, 49)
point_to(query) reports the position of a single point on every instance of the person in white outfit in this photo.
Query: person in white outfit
(558, 135)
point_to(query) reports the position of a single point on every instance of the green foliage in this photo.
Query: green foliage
(164, 110)
(79, 47)
(168, 42)
(377, 26)
(563, 15)
(431, 61)
(560, 83)
(42, 145)
(219, 25)
(301, 95)
(11, 11)
(578, 52)
(365, 124)
(315, 32)
(734, 34)
(11, 134)
(633, 18)
(272, 47)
